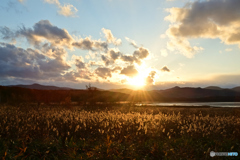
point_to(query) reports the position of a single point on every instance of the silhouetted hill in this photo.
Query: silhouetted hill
(122, 90)
(38, 93)
(237, 89)
(213, 88)
(188, 93)
(40, 87)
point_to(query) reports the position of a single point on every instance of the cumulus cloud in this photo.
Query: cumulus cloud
(132, 42)
(129, 71)
(42, 30)
(79, 62)
(65, 10)
(151, 77)
(88, 44)
(52, 51)
(183, 46)
(114, 54)
(110, 38)
(137, 57)
(129, 58)
(106, 60)
(165, 69)
(47, 61)
(103, 72)
(204, 19)
(141, 53)
(29, 63)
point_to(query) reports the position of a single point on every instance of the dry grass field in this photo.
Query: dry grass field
(117, 132)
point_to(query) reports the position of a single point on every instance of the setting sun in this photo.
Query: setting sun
(138, 81)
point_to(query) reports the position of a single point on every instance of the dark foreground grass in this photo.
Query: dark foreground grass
(118, 132)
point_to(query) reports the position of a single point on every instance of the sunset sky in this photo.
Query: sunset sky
(138, 44)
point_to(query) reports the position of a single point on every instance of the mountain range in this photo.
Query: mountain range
(211, 93)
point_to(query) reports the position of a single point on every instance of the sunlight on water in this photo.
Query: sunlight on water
(196, 104)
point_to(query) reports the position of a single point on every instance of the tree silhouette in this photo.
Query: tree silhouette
(91, 93)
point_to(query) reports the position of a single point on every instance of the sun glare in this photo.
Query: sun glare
(139, 80)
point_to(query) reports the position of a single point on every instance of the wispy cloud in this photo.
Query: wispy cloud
(132, 42)
(66, 10)
(110, 38)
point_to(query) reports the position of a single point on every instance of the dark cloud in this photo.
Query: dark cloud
(204, 19)
(165, 69)
(7, 34)
(17, 62)
(141, 53)
(79, 62)
(41, 30)
(29, 63)
(137, 56)
(128, 58)
(129, 71)
(103, 72)
(88, 44)
(114, 54)
(106, 60)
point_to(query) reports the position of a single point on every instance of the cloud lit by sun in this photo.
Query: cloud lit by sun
(143, 76)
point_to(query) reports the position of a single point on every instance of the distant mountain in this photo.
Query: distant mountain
(214, 88)
(175, 94)
(192, 93)
(237, 89)
(40, 87)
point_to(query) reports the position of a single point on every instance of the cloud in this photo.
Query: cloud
(7, 34)
(110, 38)
(128, 58)
(106, 60)
(129, 71)
(150, 78)
(65, 10)
(114, 54)
(204, 19)
(165, 69)
(52, 51)
(42, 30)
(88, 44)
(47, 61)
(132, 42)
(79, 62)
(137, 57)
(103, 72)
(117, 69)
(29, 63)
(141, 53)
(183, 46)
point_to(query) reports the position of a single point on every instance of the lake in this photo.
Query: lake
(197, 104)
